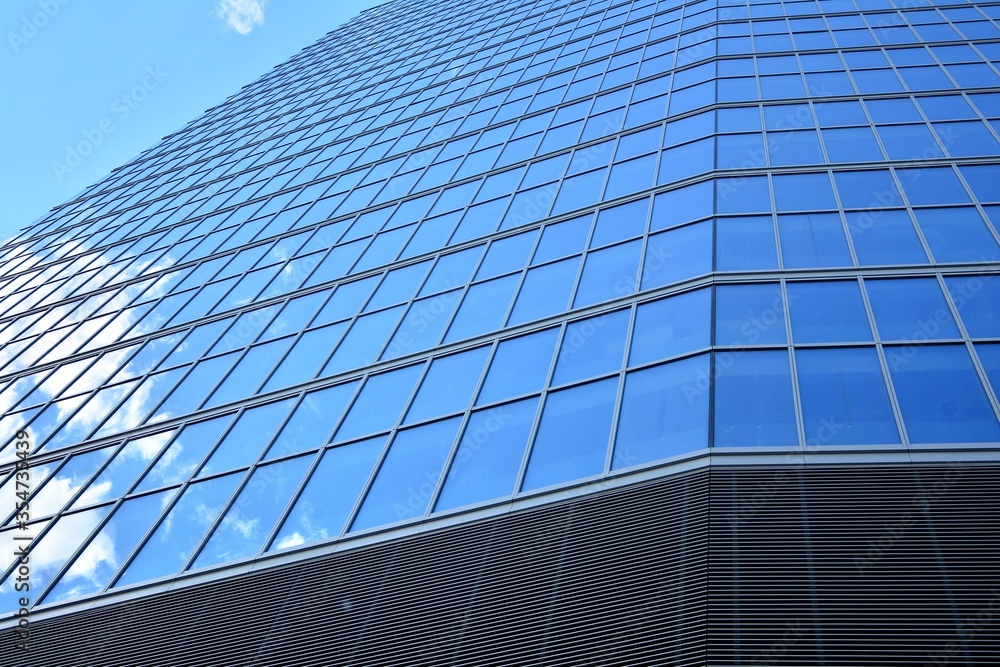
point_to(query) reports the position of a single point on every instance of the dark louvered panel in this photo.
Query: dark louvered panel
(617, 578)
(854, 566)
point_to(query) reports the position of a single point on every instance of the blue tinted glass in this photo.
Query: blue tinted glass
(185, 453)
(745, 244)
(852, 144)
(957, 234)
(423, 325)
(579, 191)
(664, 412)
(885, 237)
(749, 315)
(483, 309)
(119, 475)
(697, 157)
(251, 518)
(452, 270)
(983, 180)
(304, 359)
(803, 192)
(619, 223)
(677, 254)
(844, 399)
(932, 185)
(448, 385)
(608, 273)
(546, 291)
(408, 476)
(96, 564)
(312, 421)
(177, 536)
(913, 309)
(379, 404)
(813, 241)
(871, 190)
(745, 194)
(489, 455)
(398, 286)
(572, 439)
(676, 207)
(592, 347)
(977, 299)
(828, 312)
(940, 395)
(753, 399)
(346, 301)
(506, 255)
(741, 151)
(363, 341)
(248, 437)
(990, 357)
(562, 239)
(329, 496)
(520, 366)
(671, 326)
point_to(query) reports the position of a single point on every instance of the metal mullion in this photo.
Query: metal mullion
(272, 535)
(897, 410)
(466, 417)
(539, 412)
(619, 393)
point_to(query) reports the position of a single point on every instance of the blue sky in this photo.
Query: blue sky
(117, 75)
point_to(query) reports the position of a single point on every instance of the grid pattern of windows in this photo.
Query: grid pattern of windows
(441, 259)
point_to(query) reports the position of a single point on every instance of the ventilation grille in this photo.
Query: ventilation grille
(825, 566)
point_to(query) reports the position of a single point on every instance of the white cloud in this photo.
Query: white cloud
(241, 15)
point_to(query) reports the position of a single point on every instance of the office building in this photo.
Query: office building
(537, 332)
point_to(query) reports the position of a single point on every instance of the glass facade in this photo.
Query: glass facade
(441, 259)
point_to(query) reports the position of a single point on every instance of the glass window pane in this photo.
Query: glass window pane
(327, 500)
(546, 291)
(940, 395)
(453, 270)
(119, 475)
(312, 422)
(170, 546)
(749, 315)
(675, 255)
(572, 439)
(885, 237)
(248, 437)
(448, 385)
(244, 379)
(977, 299)
(96, 564)
(378, 405)
(520, 366)
(910, 309)
(844, 399)
(408, 476)
(664, 412)
(423, 324)
(63, 485)
(828, 312)
(813, 241)
(250, 519)
(608, 273)
(753, 399)
(363, 341)
(506, 255)
(489, 455)
(303, 361)
(745, 244)
(185, 453)
(619, 223)
(957, 234)
(483, 309)
(671, 326)
(592, 347)
(562, 238)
